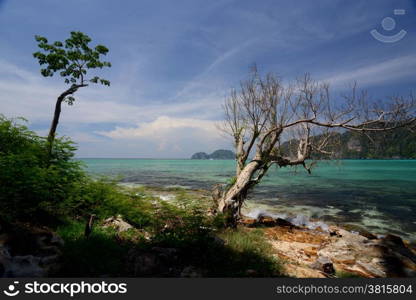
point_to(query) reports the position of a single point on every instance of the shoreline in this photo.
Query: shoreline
(295, 214)
(310, 248)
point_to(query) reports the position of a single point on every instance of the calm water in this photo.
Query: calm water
(379, 195)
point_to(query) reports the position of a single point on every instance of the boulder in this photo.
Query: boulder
(324, 264)
(117, 223)
(266, 221)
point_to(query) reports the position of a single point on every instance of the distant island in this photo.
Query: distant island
(217, 154)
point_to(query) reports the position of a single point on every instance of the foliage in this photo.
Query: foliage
(30, 185)
(104, 198)
(36, 190)
(72, 58)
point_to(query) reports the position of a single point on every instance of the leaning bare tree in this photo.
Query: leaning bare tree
(264, 113)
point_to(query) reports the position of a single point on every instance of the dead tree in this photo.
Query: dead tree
(264, 113)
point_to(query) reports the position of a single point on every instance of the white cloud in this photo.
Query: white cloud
(164, 129)
(161, 126)
(24, 94)
(376, 73)
(171, 135)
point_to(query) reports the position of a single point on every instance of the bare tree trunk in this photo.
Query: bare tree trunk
(231, 202)
(264, 113)
(54, 125)
(57, 113)
(240, 156)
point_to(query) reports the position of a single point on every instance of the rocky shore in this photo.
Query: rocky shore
(336, 252)
(305, 249)
(304, 252)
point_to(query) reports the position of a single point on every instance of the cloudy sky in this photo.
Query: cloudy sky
(175, 61)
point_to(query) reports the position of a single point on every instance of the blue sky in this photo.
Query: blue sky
(175, 61)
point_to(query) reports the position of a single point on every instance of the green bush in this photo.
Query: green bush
(31, 184)
(104, 199)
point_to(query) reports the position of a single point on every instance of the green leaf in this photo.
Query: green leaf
(70, 100)
(71, 59)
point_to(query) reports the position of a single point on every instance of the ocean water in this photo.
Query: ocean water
(379, 195)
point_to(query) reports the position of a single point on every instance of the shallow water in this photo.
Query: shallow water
(379, 195)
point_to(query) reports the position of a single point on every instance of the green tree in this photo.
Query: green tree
(72, 59)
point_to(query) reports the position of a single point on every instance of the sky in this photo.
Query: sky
(174, 62)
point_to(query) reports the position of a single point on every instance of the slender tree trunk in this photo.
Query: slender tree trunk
(54, 125)
(57, 114)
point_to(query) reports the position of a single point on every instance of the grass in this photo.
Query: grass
(249, 254)
(99, 255)
(200, 243)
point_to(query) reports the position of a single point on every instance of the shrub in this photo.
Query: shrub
(104, 198)
(31, 185)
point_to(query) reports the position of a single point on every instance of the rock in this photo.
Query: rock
(248, 222)
(283, 223)
(393, 240)
(266, 221)
(118, 223)
(397, 245)
(371, 268)
(324, 264)
(340, 249)
(368, 235)
(27, 251)
(359, 230)
(297, 271)
(25, 266)
(191, 272)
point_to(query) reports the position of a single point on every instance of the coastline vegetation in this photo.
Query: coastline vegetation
(57, 194)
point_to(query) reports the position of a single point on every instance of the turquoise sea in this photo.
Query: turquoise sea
(379, 195)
